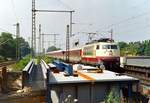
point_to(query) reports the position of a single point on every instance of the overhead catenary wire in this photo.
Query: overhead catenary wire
(139, 5)
(14, 10)
(67, 6)
(133, 30)
(1, 43)
(4, 30)
(124, 21)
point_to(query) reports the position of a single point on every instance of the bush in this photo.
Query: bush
(19, 66)
(113, 95)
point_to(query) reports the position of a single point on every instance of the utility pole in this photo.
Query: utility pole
(34, 23)
(39, 38)
(29, 41)
(55, 39)
(33, 45)
(42, 43)
(111, 32)
(67, 44)
(17, 41)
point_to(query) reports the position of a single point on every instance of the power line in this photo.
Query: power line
(125, 20)
(133, 30)
(65, 4)
(4, 42)
(142, 3)
(14, 10)
(4, 30)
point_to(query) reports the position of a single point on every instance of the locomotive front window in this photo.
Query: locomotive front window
(114, 47)
(106, 47)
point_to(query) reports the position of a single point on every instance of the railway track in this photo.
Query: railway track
(142, 73)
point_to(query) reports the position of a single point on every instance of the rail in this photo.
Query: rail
(143, 73)
(44, 67)
(26, 73)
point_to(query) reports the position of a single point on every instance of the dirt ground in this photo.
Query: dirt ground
(34, 97)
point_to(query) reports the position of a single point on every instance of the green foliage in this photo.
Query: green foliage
(48, 59)
(7, 46)
(113, 96)
(24, 47)
(135, 48)
(52, 48)
(38, 59)
(19, 66)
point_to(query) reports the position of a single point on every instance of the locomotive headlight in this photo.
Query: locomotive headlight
(101, 66)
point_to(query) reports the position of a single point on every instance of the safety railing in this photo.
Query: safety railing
(44, 67)
(26, 73)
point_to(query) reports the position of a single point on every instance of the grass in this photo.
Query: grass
(19, 66)
(48, 59)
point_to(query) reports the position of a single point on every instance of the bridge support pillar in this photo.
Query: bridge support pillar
(48, 97)
(4, 80)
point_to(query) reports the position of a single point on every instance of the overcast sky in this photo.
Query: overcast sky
(129, 19)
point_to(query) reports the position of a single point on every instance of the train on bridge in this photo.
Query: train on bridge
(103, 51)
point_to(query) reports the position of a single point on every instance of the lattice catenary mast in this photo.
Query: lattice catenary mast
(33, 44)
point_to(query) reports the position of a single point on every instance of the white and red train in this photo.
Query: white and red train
(102, 51)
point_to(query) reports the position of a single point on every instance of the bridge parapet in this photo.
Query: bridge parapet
(26, 73)
(44, 67)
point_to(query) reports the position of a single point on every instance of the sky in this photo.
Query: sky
(129, 19)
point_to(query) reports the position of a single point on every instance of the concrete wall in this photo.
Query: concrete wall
(83, 93)
(14, 80)
(10, 81)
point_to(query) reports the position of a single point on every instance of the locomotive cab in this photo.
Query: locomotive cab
(103, 52)
(109, 54)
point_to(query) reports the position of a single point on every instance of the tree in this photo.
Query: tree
(24, 47)
(123, 48)
(122, 45)
(147, 48)
(52, 48)
(135, 48)
(8, 46)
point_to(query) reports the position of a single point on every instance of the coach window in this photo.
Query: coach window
(97, 47)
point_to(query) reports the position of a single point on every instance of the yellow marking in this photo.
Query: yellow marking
(85, 76)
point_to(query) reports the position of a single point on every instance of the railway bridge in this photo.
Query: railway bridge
(76, 80)
(63, 82)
